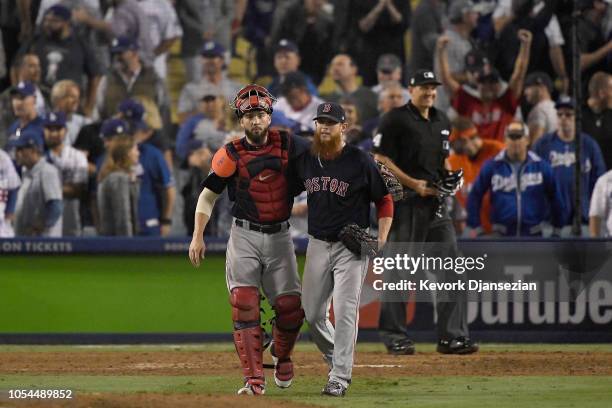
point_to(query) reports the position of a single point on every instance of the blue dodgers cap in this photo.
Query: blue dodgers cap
(331, 111)
(55, 119)
(133, 112)
(132, 109)
(565, 102)
(193, 145)
(212, 49)
(123, 43)
(60, 11)
(28, 138)
(286, 46)
(113, 127)
(24, 88)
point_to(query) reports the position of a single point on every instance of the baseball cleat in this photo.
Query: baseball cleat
(401, 347)
(334, 389)
(458, 345)
(283, 372)
(253, 386)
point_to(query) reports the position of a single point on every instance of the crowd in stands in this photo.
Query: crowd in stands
(91, 142)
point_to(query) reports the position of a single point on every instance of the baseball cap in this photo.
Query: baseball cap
(488, 75)
(463, 134)
(28, 138)
(287, 46)
(24, 88)
(113, 127)
(424, 77)
(332, 111)
(475, 60)
(458, 7)
(212, 49)
(539, 78)
(565, 102)
(516, 131)
(60, 11)
(55, 119)
(123, 43)
(293, 80)
(193, 145)
(133, 112)
(388, 63)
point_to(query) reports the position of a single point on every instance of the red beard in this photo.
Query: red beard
(329, 149)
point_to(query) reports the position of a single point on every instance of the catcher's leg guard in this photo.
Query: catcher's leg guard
(248, 336)
(289, 319)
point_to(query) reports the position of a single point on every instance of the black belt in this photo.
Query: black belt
(326, 238)
(266, 229)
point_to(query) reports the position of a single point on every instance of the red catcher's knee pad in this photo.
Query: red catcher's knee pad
(245, 304)
(289, 312)
(289, 319)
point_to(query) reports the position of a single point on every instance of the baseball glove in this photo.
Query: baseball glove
(357, 239)
(449, 185)
(394, 186)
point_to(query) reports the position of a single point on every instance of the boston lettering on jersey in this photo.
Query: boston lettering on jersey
(339, 190)
(332, 185)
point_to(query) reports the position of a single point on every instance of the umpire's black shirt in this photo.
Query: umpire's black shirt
(418, 146)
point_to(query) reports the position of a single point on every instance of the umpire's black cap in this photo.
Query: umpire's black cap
(331, 111)
(424, 77)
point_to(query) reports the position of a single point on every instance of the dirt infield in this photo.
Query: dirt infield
(488, 363)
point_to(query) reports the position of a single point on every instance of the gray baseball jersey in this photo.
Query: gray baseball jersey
(41, 184)
(9, 180)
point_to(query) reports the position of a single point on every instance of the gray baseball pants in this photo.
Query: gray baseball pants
(333, 273)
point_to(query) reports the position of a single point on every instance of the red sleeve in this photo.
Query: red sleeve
(460, 101)
(509, 102)
(384, 207)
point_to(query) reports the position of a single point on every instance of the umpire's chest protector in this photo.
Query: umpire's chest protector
(260, 188)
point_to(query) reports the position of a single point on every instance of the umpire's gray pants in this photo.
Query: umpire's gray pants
(332, 272)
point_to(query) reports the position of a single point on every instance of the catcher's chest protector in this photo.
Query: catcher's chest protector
(261, 190)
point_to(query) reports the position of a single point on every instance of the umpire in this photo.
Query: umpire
(412, 141)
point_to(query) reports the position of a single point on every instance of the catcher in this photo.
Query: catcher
(260, 250)
(340, 181)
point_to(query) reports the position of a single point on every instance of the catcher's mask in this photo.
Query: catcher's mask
(251, 98)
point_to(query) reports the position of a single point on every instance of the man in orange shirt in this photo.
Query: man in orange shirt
(470, 152)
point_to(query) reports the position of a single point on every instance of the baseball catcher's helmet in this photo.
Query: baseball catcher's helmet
(252, 97)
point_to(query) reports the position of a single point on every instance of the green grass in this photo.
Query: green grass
(421, 392)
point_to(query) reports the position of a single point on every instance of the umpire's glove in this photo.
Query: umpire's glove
(450, 184)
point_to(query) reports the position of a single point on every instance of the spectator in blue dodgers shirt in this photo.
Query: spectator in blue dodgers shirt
(117, 192)
(9, 187)
(287, 59)
(38, 211)
(297, 103)
(129, 77)
(213, 74)
(256, 24)
(157, 189)
(64, 55)
(209, 125)
(72, 165)
(523, 190)
(65, 98)
(23, 100)
(558, 149)
(128, 20)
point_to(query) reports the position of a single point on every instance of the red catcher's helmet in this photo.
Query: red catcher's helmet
(252, 97)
